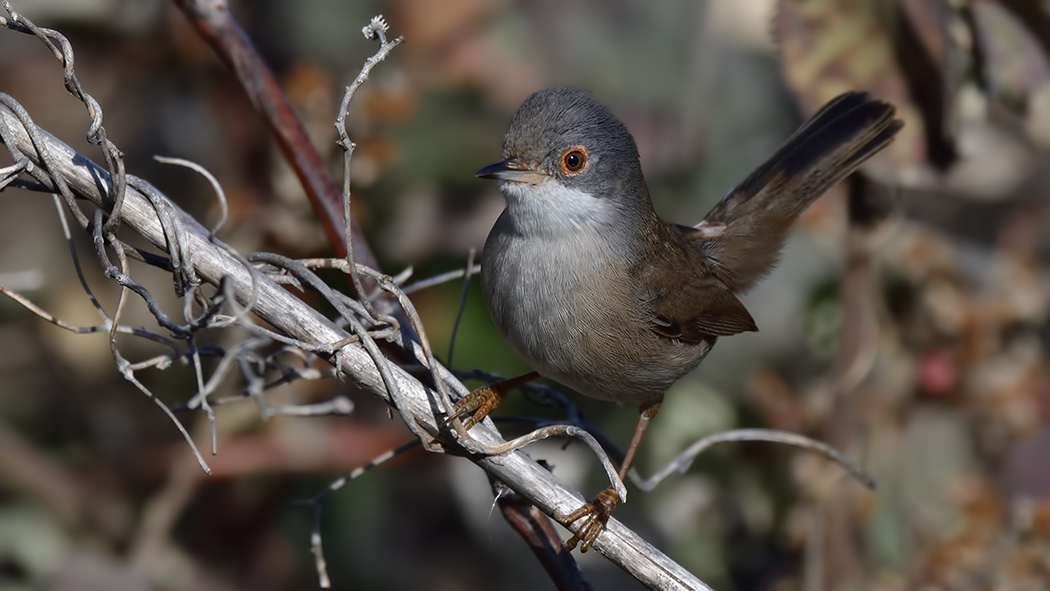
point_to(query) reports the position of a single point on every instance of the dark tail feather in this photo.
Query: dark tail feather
(753, 220)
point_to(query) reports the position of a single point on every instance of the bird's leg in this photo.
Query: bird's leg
(597, 512)
(485, 399)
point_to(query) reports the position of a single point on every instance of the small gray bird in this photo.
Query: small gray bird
(595, 291)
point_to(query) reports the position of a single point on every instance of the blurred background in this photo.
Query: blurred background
(906, 323)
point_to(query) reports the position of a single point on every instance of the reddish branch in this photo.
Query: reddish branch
(536, 529)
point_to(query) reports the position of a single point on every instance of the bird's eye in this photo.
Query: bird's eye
(574, 159)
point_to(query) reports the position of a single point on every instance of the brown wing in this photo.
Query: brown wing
(691, 305)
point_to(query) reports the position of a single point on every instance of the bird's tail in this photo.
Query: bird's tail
(743, 234)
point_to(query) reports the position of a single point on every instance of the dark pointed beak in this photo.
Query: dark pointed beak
(512, 170)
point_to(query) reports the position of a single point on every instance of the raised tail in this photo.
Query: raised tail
(743, 234)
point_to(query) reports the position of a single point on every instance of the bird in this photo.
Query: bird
(593, 290)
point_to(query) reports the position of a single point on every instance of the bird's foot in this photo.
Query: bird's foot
(480, 402)
(485, 399)
(596, 515)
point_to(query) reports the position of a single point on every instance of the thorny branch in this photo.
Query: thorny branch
(221, 289)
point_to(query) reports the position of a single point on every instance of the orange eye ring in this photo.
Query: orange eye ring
(573, 160)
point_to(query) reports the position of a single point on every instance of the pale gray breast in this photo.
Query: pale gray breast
(566, 306)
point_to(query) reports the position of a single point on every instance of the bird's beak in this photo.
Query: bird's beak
(512, 170)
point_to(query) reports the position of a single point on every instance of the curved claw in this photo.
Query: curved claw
(597, 514)
(485, 399)
(480, 402)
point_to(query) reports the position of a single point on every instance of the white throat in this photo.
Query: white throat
(552, 209)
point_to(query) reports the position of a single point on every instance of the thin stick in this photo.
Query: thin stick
(685, 459)
(316, 547)
(439, 279)
(376, 29)
(220, 195)
(462, 306)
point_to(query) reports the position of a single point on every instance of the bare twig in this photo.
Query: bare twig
(462, 306)
(685, 459)
(439, 279)
(317, 549)
(314, 502)
(374, 30)
(224, 209)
